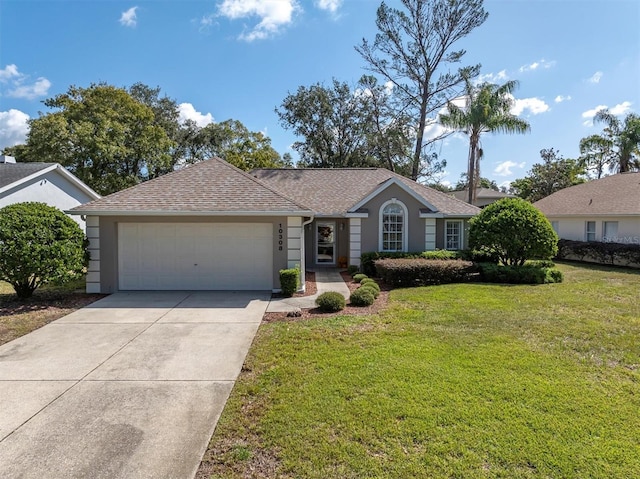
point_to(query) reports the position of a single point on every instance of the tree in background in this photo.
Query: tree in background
(39, 244)
(463, 183)
(344, 127)
(553, 174)
(513, 230)
(413, 51)
(618, 147)
(487, 108)
(112, 138)
(102, 135)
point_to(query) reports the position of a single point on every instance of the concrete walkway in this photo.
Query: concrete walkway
(326, 280)
(130, 387)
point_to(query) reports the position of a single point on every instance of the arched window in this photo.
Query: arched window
(393, 226)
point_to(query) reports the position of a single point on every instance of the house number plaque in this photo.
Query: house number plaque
(280, 237)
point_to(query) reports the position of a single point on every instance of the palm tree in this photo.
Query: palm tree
(625, 137)
(487, 108)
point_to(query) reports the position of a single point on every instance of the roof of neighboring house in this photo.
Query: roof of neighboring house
(481, 193)
(15, 174)
(612, 195)
(208, 187)
(335, 191)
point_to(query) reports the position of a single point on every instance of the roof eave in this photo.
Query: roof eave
(80, 211)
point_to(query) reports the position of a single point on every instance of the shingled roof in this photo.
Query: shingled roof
(609, 196)
(209, 187)
(334, 191)
(13, 172)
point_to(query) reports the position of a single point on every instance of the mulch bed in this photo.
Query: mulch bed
(379, 304)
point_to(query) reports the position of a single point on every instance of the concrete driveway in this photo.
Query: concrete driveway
(129, 387)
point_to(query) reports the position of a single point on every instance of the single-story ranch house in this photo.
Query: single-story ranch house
(606, 210)
(213, 226)
(48, 183)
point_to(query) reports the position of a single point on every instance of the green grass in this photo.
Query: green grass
(464, 380)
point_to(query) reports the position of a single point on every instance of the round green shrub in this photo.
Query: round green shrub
(367, 280)
(352, 269)
(362, 297)
(330, 302)
(514, 230)
(39, 244)
(359, 277)
(374, 288)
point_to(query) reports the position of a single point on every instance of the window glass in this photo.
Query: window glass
(453, 235)
(393, 228)
(590, 230)
(610, 232)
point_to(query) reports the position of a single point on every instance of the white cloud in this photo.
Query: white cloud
(188, 112)
(595, 78)
(18, 86)
(13, 127)
(591, 113)
(129, 18)
(621, 108)
(541, 64)
(493, 77)
(8, 72)
(329, 5)
(273, 15)
(561, 98)
(535, 106)
(31, 92)
(504, 168)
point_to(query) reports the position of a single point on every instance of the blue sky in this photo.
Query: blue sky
(238, 59)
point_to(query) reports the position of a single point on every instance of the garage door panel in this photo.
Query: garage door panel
(195, 256)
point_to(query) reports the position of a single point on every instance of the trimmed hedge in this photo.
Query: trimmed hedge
(331, 302)
(362, 297)
(373, 287)
(352, 269)
(603, 253)
(421, 272)
(289, 281)
(525, 274)
(359, 277)
(367, 260)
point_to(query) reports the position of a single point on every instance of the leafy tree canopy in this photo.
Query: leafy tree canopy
(39, 244)
(514, 230)
(553, 174)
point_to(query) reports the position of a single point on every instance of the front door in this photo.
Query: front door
(326, 242)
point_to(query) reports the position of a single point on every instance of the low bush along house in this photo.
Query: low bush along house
(605, 210)
(212, 226)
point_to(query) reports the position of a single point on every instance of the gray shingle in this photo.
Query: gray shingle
(12, 172)
(209, 186)
(333, 191)
(612, 195)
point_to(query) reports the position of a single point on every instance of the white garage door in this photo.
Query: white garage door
(195, 256)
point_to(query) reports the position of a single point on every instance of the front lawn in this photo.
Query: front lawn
(461, 380)
(48, 303)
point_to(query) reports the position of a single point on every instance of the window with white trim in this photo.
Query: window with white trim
(393, 226)
(453, 235)
(590, 230)
(610, 231)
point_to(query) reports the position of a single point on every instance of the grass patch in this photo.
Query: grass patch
(463, 380)
(48, 303)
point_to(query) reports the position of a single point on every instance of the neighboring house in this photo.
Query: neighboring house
(213, 226)
(48, 183)
(484, 196)
(606, 210)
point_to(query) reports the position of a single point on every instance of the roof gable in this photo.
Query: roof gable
(209, 187)
(383, 187)
(612, 195)
(12, 175)
(337, 191)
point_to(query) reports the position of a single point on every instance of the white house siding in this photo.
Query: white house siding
(429, 234)
(50, 188)
(295, 244)
(574, 228)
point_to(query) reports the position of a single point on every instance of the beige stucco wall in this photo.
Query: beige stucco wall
(574, 228)
(108, 242)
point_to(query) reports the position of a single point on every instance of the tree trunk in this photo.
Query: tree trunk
(415, 170)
